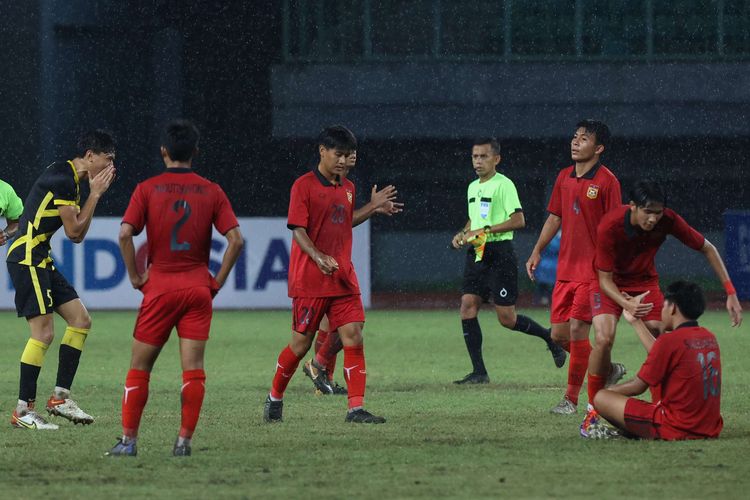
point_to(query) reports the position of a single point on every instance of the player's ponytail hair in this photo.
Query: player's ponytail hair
(688, 297)
(645, 193)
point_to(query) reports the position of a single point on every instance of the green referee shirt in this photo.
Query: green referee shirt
(11, 206)
(493, 202)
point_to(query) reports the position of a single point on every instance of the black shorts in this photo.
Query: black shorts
(39, 290)
(496, 274)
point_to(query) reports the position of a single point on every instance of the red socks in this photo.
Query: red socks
(320, 339)
(285, 368)
(326, 355)
(355, 374)
(133, 401)
(596, 384)
(579, 362)
(193, 390)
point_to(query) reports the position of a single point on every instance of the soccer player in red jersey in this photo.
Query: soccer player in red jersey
(627, 241)
(582, 194)
(178, 209)
(683, 365)
(321, 276)
(328, 342)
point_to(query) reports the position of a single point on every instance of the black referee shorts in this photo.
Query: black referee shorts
(495, 274)
(39, 290)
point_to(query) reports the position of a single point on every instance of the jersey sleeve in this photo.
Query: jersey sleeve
(657, 362)
(11, 206)
(224, 217)
(64, 190)
(299, 206)
(604, 259)
(511, 202)
(555, 200)
(685, 233)
(135, 214)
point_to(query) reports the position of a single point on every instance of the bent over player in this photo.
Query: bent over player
(322, 280)
(491, 266)
(54, 202)
(178, 208)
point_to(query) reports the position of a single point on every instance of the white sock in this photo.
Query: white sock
(275, 399)
(181, 441)
(22, 407)
(62, 393)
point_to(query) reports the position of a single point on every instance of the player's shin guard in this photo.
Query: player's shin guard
(70, 354)
(31, 364)
(134, 400)
(596, 384)
(193, 390)
(355, 374)
(579, 362)
(285, 368)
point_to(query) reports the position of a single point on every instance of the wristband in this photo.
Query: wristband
(729, 288)
(487, 229)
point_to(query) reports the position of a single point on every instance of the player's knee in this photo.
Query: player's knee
(508, 320)
(468, 310)
(82, 320)
(605, 341)
(46, 335)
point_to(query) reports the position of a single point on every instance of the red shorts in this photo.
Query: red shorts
(570, 299)
(189, 310)
(307, 312)
(602, 304)
(648, 421)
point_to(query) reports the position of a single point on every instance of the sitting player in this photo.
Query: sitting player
(683, 365)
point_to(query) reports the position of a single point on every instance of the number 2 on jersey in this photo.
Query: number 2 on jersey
(174, 245)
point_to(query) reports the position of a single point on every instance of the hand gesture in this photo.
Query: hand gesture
(326, 264)
(636, 307)
(381, 199)
(139, 280)
(630, 317)
(390, 208)
(735, 310)
(101, 182)
(532, 264)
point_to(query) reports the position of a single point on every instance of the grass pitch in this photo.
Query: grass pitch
(440, 440)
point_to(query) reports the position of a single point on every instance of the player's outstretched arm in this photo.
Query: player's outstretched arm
(633, 387)
(235, 242)
(549, 230)
(76, 224)
(717, 264)
(325, 263)
(380, 202)
(644, 334)
(9, 232)
(127, 249)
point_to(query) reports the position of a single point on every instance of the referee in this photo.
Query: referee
(491, 266)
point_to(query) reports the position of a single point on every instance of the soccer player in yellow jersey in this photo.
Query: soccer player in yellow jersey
(54, 202)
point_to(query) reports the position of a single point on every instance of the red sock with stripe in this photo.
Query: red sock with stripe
(579, 362)
(193, 390)
(285, 368)
(134, 400)
(355, 374)
(596, 384)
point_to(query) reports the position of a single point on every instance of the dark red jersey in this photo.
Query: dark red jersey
(686, 365)
(628, 252)
(325, 210)
(581, 202)
(178, 209)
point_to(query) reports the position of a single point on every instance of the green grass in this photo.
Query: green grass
(440, 440)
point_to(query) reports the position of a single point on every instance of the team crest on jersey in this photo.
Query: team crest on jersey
(349, 196)
(593, 192)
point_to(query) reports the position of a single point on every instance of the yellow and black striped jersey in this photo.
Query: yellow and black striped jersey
(57, 186)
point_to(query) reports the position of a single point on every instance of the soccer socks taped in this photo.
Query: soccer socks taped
(579, 362)
(285, 368)
(528, 326)
(193, 390)
(596, 384)
(32, 359)
(355, 374)
(70, 354)
(473, 339)
(134, 400)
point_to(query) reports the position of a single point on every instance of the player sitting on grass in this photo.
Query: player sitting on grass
(683, 366)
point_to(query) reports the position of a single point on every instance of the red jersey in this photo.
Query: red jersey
(325, 210)
(581, 202)
(178, 209)
(628, 251)
(686, 365)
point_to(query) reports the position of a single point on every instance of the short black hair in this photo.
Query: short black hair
(596, 127)
(337, 137)
(180, 139)
(688, 297)
(644, 193)
(494, 144)
(99, 141)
